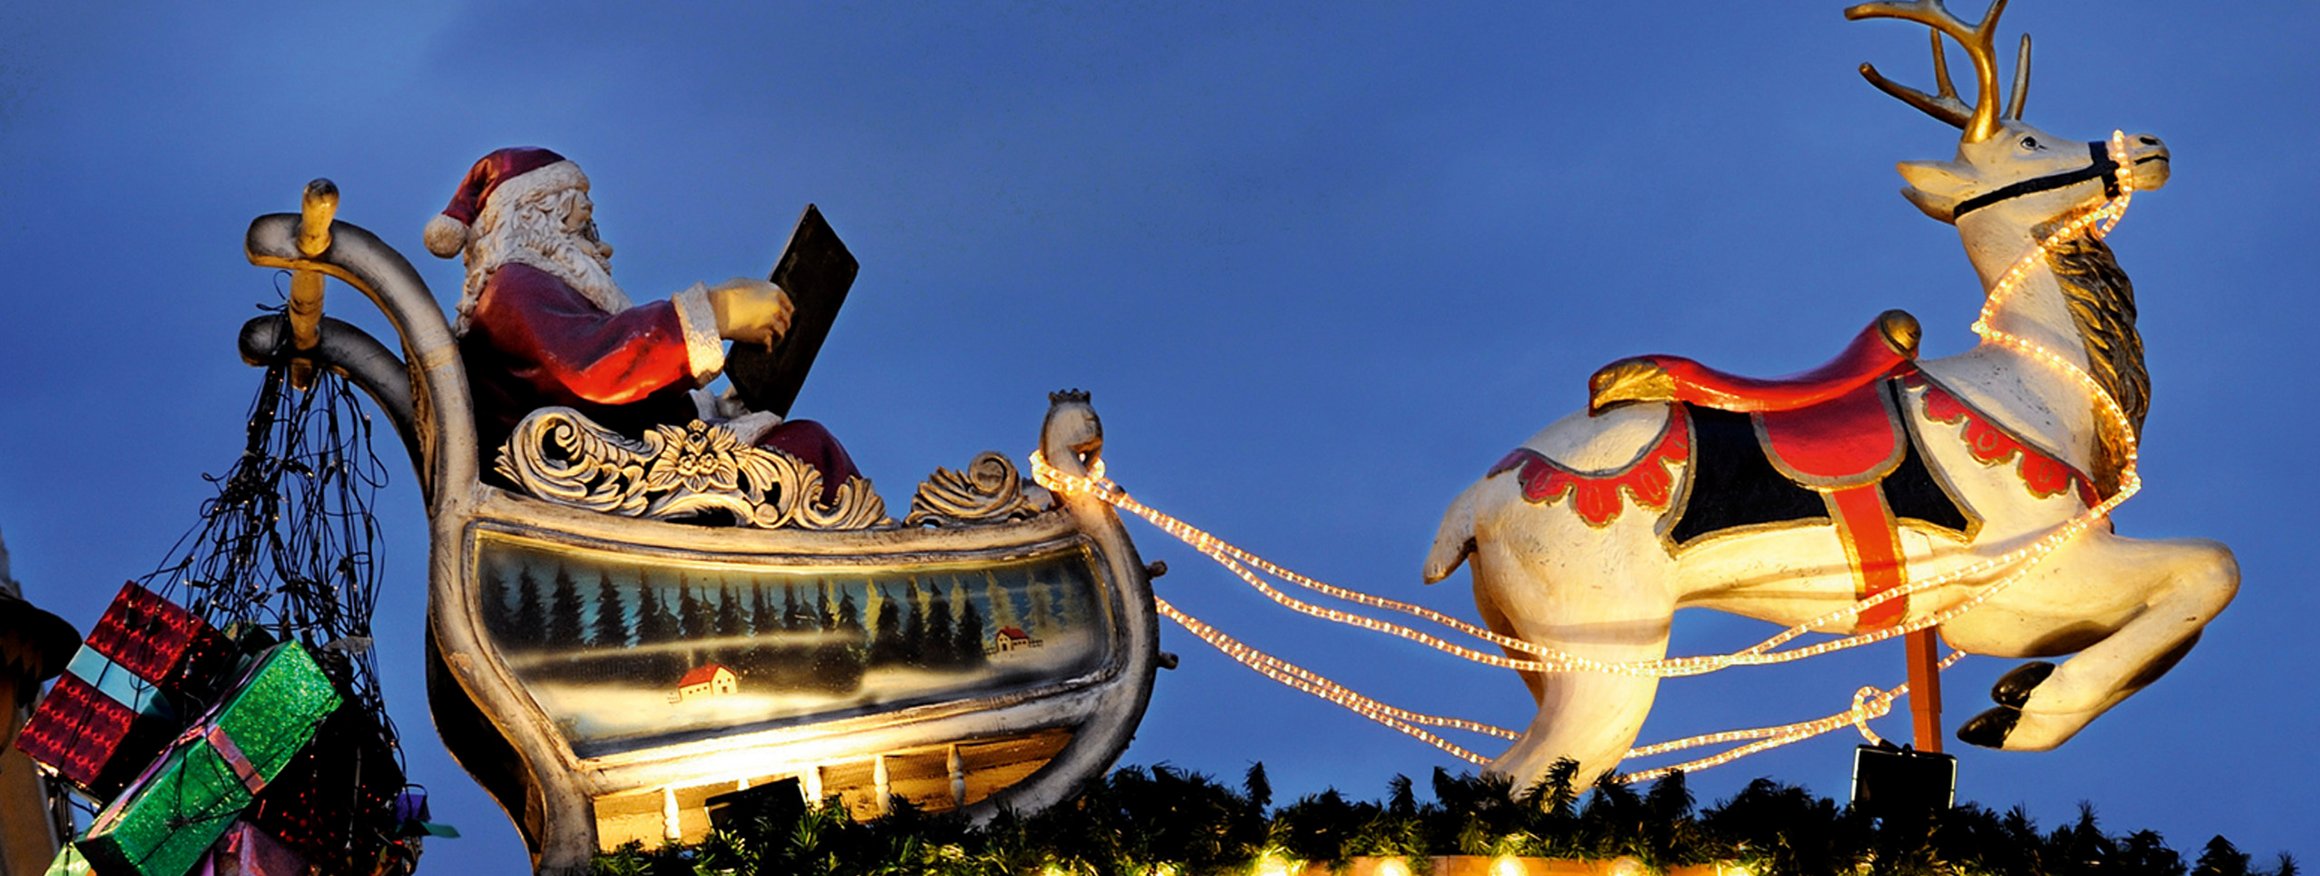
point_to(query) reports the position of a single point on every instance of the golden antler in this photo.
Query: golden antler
(2021, 81)
(1980, 120)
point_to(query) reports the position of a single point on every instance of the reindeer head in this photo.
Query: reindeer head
(2004, 167)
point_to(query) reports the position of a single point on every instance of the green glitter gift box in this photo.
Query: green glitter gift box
(169, 817)
(68, 863)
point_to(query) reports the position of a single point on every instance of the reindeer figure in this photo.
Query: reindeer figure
(1790, 500)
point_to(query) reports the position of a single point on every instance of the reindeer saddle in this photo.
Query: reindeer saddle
(1828, 446)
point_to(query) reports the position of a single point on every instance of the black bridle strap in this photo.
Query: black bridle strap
(2102, 168)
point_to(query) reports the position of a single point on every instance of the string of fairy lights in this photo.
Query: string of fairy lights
(1868, 703)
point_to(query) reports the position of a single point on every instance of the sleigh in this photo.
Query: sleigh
(623, 629)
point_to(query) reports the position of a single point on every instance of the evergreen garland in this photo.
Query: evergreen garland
(1159, 819)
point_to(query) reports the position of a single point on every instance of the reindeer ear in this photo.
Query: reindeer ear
(1934, 186)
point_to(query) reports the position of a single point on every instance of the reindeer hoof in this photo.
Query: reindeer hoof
(2013, 688)
(1989, 729)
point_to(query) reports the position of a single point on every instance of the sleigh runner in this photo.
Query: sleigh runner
(622, 627)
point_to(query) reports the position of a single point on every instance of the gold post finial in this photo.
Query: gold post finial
(315, 211)
(316, 208)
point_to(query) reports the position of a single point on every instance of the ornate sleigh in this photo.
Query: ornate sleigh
(621, 628)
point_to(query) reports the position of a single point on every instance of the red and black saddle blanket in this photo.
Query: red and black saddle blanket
(1849, 462)
(1828, 447)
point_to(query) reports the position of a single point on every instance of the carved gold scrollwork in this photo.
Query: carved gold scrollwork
(676, 472)
(989, 491)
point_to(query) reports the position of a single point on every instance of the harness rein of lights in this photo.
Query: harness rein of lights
(1868, 702)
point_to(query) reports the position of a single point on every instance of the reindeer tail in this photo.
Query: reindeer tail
(1456, 537)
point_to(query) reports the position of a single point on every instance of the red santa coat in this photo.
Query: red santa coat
(534, 341)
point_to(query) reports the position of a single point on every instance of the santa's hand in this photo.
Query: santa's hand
(752, 311)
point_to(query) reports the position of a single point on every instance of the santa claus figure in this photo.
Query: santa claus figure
(541, 323)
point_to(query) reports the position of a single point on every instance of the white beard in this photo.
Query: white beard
(530, 230)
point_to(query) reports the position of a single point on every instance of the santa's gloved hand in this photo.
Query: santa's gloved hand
(751, 311)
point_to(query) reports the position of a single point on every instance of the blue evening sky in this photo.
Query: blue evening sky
(1320, 264)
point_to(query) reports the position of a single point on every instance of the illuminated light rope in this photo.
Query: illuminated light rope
(1305, 680)
(1556, 660)
(2098, 222)
(1868, 704)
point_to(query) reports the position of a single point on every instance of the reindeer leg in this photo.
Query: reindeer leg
(1588, 717)
(1496, 620)
(2159, 595)
(1547, 577)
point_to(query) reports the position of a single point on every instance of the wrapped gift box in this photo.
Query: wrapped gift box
(165, 821)
(119, 702)
(247, 850)
(69, 863)
(92, 741)
(334, 804)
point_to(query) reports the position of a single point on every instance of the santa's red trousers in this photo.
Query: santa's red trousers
(807, 440)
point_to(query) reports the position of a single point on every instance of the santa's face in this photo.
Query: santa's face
(550, 229)
(580, 222)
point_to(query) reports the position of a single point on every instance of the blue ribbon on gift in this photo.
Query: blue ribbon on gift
(116, 681)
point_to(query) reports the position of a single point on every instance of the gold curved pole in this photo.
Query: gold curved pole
(316, 209)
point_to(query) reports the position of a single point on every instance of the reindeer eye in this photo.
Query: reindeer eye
(2030, 143)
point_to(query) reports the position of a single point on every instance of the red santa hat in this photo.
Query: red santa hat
(514, 171)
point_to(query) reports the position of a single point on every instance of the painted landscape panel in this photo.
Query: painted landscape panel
(626, 654)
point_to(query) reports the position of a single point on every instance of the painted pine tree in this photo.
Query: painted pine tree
(914, 627)
(657, 628)
(967, 645)
(694, 621)
(764, 626)
(564, 617)
(610, 630)
(1002, 603)
(1043, 618)
(940, 648)
(885, 630)
(498, 615)
(531, 615)
(732, 628)
(837, 663)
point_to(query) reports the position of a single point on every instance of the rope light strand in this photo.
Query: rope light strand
(1868, 703)
(1555, 660)
(1301, 679)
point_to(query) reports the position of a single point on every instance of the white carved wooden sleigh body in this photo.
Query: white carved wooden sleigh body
(738, 654)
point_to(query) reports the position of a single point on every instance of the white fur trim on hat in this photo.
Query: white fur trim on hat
(446, 236)
(532, 184)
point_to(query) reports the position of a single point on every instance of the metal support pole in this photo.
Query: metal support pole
(1925, 689)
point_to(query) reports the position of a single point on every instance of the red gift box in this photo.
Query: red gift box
(143, 669)
(92, 740)
(334, 804)
(248, 851)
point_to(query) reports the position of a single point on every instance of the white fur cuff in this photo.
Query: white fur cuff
(704, 348)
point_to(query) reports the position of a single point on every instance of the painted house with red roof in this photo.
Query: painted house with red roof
(704, 681)
(1011, 639)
